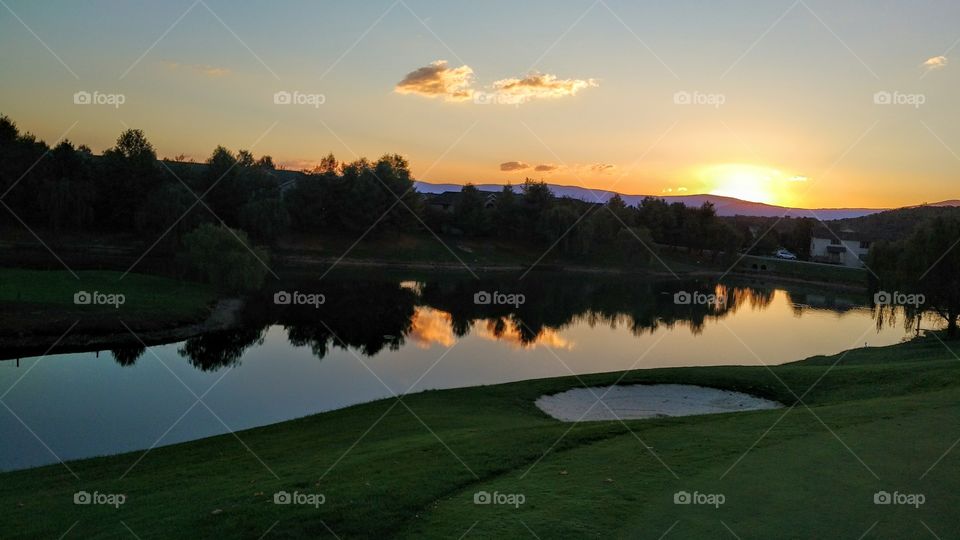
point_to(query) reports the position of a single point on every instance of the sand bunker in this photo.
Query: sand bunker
(647, 401)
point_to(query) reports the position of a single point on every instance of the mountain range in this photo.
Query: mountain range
(725, 206)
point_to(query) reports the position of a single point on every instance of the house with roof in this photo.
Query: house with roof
(844, 247)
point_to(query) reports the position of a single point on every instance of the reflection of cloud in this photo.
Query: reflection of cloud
(538, 86)
(431, 327)
(511, 334)
(438, 81)
(547, 167)
(514, 166)
(937, 62)
(209, 71)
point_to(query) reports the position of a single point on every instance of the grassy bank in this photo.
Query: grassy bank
(878, 420)
(44, 301)
(802, 270)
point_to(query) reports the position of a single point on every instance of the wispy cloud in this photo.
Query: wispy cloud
(602, 168)
(539, 86)
(546, 167)
(438, 81)
(201, 69)
(937, 62)
(455, 84)
(514, 166)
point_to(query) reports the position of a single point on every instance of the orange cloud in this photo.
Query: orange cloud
(438, 81)
(602, 168)
(514, 166)
(547, 167)
(937, 62)
(538, 86)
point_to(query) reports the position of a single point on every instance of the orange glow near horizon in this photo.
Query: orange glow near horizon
(751, 183)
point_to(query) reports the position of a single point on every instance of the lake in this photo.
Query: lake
(373, 336)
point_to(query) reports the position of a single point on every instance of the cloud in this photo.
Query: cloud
(538, 86)
(209, 71)
(438, 81)
(797, 178)
(514, 166)
(546, 167)
(937, 62)
(602, 167)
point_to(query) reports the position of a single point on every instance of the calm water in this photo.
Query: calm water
(375, 337)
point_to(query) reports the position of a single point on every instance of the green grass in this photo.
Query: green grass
(877, 420)
(34, 298)
(826, 273)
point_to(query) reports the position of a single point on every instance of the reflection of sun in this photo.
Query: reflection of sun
(431, 327)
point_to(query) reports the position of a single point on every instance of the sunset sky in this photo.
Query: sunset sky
(773, 100)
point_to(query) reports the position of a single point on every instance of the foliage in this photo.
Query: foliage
(225, 257)
(924, 264)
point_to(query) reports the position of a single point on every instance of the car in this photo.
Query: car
(784, 254)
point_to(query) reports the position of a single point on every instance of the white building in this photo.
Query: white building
(843, 247)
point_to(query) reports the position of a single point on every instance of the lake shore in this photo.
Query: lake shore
(224, 315)
(877, 401)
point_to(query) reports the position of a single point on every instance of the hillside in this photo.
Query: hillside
(726, 206)
(894, 224)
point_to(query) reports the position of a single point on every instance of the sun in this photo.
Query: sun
(747, 182)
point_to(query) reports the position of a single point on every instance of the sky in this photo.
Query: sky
(812, 103)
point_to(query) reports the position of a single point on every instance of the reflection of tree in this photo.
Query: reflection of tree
(615, 301)
(210, 352)
(365, 315)
(128, 356)
(371, 315)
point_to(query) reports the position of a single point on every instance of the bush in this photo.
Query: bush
(225, 257)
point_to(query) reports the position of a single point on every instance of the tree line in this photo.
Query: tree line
(129, 191)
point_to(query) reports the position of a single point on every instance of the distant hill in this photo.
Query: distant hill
(726, 206)
(895, 224)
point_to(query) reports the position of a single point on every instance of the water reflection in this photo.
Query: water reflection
(411, 335)
(373, 315)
